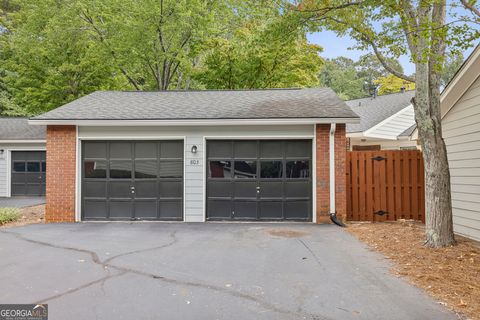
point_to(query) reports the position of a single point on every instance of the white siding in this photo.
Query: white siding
(461, 131)
(393, 126)
(5, 159)
(194, 194)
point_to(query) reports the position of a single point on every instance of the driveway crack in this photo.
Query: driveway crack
(124, 270)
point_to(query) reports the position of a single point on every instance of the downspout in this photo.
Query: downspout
(333, 212)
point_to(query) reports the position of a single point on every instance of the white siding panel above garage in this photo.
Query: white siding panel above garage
(461, 131)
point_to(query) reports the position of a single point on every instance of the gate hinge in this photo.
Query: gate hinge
(379, 158)
(381, 212)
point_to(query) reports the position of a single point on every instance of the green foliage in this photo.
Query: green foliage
(9, 215)
(355, 79)
(261, 54)
(392, 84)
(54, 51)
(453, 62)
(341, 76)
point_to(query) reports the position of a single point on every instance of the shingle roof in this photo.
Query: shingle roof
(374, 110)
(18, 129)
(187, 105)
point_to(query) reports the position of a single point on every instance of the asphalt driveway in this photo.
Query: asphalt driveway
(21, 202)
(203, 271)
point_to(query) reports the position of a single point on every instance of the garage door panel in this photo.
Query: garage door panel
(297, 209)
(298, 149)
(95, 209)
(269, 210)
(245, 189)
(219, 209)
(19, 189)
(245, 210)
(28, 173)
(271, 189)
(96, 150)
(219, 149)
(120, 189)
(271, 149)
(146, 189)
(120, 150)
(298, 189)
(146, 150)
(31, 177)
(245, 149)
(217, 188)
(266, 175)
(171, 150)
(35, 190)
(146, 209)
(170, 189)
(133, 178)
(95, 189)
(120, 209)
(170, 209)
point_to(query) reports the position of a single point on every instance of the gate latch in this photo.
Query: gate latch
(381, 212)
(378, 158)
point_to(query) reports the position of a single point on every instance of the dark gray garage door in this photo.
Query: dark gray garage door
(126, 180)
(259, 180)
(28, 173)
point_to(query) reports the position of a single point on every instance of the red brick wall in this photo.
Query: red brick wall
(340, 172)
(61, 153)
(323, 172)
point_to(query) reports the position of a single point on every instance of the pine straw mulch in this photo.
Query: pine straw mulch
(450, 275)
(28, 215)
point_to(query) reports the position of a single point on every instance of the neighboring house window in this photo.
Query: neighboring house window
(408, 148)
(366, 148)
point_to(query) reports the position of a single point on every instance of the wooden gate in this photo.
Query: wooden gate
(385, 185)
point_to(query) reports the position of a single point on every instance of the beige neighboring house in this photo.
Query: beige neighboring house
(386, 123)
(460, 103)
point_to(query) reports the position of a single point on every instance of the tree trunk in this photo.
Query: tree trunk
(438, 205)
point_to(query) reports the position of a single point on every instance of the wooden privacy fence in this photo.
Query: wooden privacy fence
(385, 185)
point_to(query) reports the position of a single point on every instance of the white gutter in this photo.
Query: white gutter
(333, 127)
(193, 122)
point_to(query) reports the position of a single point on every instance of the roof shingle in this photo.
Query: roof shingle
(374, 110)
(13, 128)
(192, 105)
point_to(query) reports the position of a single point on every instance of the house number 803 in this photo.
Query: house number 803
(194, 162)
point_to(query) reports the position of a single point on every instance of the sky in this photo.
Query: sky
(334, 46)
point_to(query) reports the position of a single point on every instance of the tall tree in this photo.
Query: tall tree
(392, 84)
(340, 74)
(263, 53)
(417, 28)
(152, 43)
(47, 57)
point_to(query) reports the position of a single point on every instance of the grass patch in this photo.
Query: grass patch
(9, 215)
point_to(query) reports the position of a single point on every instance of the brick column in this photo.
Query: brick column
(323, 172)
(61, 169)
(340, 172)
(322, 166)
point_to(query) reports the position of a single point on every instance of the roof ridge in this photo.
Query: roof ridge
(383, 95)
(210, 90)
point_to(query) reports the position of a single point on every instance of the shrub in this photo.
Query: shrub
(9, 215)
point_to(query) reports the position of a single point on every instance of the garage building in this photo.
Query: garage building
(22, 158)
(261, 155)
